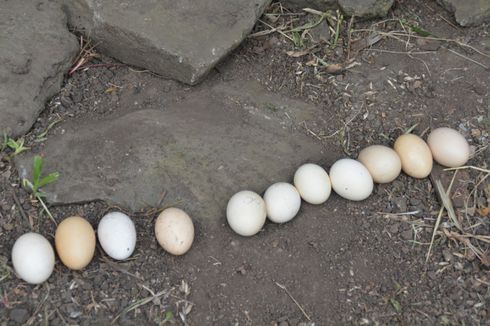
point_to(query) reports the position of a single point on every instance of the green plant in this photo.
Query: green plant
(39, 181)
(16, 145)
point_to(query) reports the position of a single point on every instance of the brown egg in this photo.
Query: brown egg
(382, 162)
(415, 155)
(75, 242)
(174, 231)
(448, 147)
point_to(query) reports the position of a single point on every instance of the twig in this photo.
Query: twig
(468, 167)
(21, 209)
(294, 300)
(277, 30)
(469, 59)
(140, 303)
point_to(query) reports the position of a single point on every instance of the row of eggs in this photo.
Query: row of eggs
(351, 179)
(33, 256)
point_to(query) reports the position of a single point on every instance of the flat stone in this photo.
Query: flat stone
(468, 12)
(200, 151)
(365, 8)
(182, 40)
(36, 49)
(315, 4)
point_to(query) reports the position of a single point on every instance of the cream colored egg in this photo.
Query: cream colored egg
(174, 231)
(282, 202)
(448, 147)
(246, 213)
(415, 155)
(33, 258)
(382, 162)
(75, 242)
(313, 183)
(351, 180)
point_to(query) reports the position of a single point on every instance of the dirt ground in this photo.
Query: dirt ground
(338, 263)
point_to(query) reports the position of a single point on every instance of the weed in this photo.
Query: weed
(38, 182)
(16, 145)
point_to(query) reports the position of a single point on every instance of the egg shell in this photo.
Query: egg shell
(382, 162)
(415, 155)
(448, 147)
(312, 183)
(75, 242)
(174, 231)
(351, 180)
(282, 202)
(246, 213)
(33, 258)
(117, 235)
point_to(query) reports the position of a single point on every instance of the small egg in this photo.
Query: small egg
(382, 162)
(33, 258)
(449, 147)
(174, 231)
(117, 235)
(282, 202)
(415, 155)
(351, 180)
(246, 213)
(75, 242)
(312, 183)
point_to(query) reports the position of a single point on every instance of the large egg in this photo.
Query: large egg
(117, 235)
(382, 162)
(351, 180)
(33, 258)
(415, 155)
(312, 183)
(282, 202)
(174, 231)
(246, 213)
(75, 242)
(449, 147)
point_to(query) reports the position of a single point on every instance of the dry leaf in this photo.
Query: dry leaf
(485, 211)
(297, 54)
(335, 68)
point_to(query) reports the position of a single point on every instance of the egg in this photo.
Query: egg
(75, 242)
(351, 180)
(382, 162)
(282, 202)
(246, 213)
(117, 235)
(33, 258)
(448, 147)
(415, 155)
(312, 183)
(174, 231)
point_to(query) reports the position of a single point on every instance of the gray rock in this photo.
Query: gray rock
(36, 49)
(358, 8)
(468, 12)
(365, 8)
(182, 40)
(200, 150)
(315, 4)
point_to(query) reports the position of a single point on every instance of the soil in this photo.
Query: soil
(338, 263)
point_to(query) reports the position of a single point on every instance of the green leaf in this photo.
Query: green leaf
(396, 305)
(420, 31)
(38, 167)
(49, 179)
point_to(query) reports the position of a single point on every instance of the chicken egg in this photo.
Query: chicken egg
(448, 147)
(75, 242)
(282, 202)
(312, 183)
(382, 162)
(246, 213)
(117, 235)
(351, 180)
(415, 155)
(174, 231)
(33, 258)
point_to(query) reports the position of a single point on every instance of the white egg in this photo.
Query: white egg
(117, 235)
(312, 183)
(33, 258)
(351, 180)
(282, 202)
(246, 213)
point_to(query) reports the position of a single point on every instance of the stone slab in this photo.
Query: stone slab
(468, 12)
(358, 8)
(36, 49)
(200, 151)
(182, 40)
